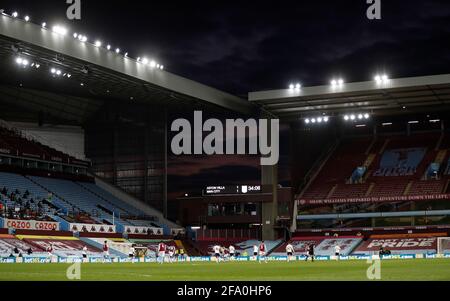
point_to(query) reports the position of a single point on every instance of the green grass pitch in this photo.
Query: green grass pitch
(414, 269)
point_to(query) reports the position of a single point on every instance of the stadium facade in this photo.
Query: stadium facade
(348, 142)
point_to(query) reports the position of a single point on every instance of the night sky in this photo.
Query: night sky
(241, 46)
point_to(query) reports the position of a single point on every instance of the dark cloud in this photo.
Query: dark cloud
(242, 46)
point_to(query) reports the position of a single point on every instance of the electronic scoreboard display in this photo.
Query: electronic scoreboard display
(232, 189)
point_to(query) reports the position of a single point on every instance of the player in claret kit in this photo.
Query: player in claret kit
(50, 251)
(310, 252)
(161, 252)
(105, 251)
(262, 252)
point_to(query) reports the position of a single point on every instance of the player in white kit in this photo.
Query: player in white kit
(289, 252)
(216, 250)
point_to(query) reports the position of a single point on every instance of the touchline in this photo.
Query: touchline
(260, 140)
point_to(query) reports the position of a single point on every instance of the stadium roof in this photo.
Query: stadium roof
(377, 97)
(95, 73)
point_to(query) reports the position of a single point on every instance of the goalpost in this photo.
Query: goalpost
(443, 245)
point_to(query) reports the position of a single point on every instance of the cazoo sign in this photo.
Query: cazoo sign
(30, 224)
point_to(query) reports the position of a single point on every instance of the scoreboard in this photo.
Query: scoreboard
(232, 189)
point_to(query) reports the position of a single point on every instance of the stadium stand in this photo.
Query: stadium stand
(19, 144)
(241, 246)
(399, 168)
(399, 244)
(117, 246)
(152, 245)
(324, 246)
(63, 246)
(390, 164)
(32, 200)
(9, 242)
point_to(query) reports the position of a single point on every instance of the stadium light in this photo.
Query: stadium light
(335, 83)
(366, 116)
(352, 117)
(117, 50)
(27, 18)
(108, 47)
(381, 79)
(126, 54)
(319, 119)
(80, 37)
(291, 87)
(313, 120)
(98, 43)
(44, 24)
(298, 86)
(346, 117)
(22, 62)
(152, 64)
(145, 61)
(138, 59)
(161, 67)
(307, 121)
(325, 119)
(15, 14)
(59, 30)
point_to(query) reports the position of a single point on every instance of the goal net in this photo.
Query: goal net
(443, 245)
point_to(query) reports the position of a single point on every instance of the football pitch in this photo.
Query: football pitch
(414, 269)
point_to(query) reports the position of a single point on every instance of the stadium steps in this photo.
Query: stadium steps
(440, 156)
(330, 193)
(188, 248)
(374, 140)
(125, 197)
(408, 188)
(100, 247)
(193, 249)
(369, 190)
(439, 142)
(383, 148)
(101, 197)
(281, 243)
(314, 172)
(369, 160)
(446, 186)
